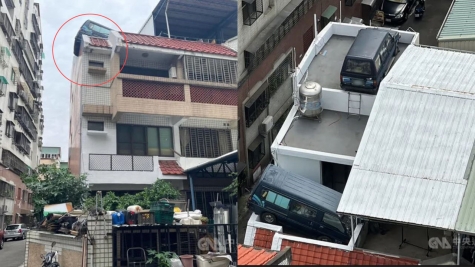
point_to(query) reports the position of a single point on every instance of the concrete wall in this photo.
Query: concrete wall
(69, 249)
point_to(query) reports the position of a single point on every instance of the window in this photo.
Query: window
(302, 210)
(144, 140)
(377, 63)
(12, 101)
(12, 77)
(333, 221)
(277, 199)
(3, 85)
(256, 152)
(205, 143)
(10, 129)
(95, 126)
(25, 196)
(30, 198)
(18, 196)
(96, 64)
(210, 70)
(251, 11)
(358, 66)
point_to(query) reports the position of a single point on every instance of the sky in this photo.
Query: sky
(129, 15)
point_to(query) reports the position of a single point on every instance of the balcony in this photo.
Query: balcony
(10, 4)
(14, 163)
(26, 96)
(110, 162)
(34, 43)
(24, 70)
(22, 116)
(22, 143)
(251, 11)
(6, 26)
(36, 26)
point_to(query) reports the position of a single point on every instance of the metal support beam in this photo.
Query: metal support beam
(459, 243)
(192, 191)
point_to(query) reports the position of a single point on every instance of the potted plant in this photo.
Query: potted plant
(161, 258)
(204, 220)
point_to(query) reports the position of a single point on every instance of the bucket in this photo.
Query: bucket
(187, 260)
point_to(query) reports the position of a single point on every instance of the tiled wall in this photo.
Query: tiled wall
(100, 255)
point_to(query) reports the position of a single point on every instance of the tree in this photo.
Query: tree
(234, 186)
(51, 185)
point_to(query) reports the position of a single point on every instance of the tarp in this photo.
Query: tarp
(58, 208)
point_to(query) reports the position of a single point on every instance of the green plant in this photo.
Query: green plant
(234, 186)
(51, 185)
(161, 258)
(204, 219)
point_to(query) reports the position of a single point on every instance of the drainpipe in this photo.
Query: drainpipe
(166, 18)
(340, 11)
(352, 231)
(315, 24)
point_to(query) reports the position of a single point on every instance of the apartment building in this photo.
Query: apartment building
(273, 38)
(21, 55)
(51, 156)
(172, 108)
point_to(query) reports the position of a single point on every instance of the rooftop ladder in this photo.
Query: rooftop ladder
(354, 105)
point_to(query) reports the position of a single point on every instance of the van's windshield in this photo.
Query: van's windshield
(358, 67)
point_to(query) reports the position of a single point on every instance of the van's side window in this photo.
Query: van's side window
(277, 199)
(303, 210)
(377, 63)
(333, 221)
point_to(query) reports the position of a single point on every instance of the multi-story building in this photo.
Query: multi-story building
(51, 156)
(171, 108)
(273, 37)
(21, 55)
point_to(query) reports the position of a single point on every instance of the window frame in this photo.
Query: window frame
(262, 153)
(277, 196)
(96, 64)
(100, 123)
(131, 142)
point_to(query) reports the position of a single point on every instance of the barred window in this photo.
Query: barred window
(205, 143)
(211, 70)
(144, 140)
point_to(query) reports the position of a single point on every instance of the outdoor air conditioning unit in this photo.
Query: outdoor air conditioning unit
(4, 209)
(266, 125)
(172, 72)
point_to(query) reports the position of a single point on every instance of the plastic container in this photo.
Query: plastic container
(118, 218)
(131, 218)
(187, 260)
(145, 218)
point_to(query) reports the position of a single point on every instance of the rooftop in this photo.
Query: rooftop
(459, 23)
(416, 153)
(335, 133)
(254, 256)
(50, 150)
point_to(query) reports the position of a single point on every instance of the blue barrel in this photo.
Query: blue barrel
(118, 218)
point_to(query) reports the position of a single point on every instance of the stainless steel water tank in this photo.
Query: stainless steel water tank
(310, 97)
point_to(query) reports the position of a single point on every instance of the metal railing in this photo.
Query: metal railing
(252, 11)
(112, 162)
(181, 239)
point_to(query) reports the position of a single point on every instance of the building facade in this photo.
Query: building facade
(273, 38)
(171, 108)
(21, 55)
(51, 156)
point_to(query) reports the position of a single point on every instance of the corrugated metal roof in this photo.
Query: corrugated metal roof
(416, 148)
(460, 21)
(466, 218)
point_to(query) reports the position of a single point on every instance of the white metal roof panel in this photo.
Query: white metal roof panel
(460, 21)
(414, 156)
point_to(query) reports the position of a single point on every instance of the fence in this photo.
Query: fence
(108, 162)
(181, 239)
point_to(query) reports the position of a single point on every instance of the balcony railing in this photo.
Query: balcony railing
(14, 163)
(111, 162)
(22, 143)
(254, 60)
(34, 43)
(24, 70)
(7, 26)
(22, 116)
(26, 96)
(36, 26)
(251, 11)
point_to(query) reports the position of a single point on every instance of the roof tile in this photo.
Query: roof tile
(254, 256)
(263, 238)
(170, 167)
(310, 254)
(99, 42)
(192, 46)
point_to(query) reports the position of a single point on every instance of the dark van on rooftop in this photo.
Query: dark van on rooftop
(369, 60)
(281, 197)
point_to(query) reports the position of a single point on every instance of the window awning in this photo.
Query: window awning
(3, 80)
(256, 95)
(255, 144)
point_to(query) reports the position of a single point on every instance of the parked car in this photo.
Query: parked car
(281, 197)
(397, 11)
(369, 59)
(2, 238)
(16, 231)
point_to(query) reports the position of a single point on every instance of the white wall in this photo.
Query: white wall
(309, 168)
(148, 28)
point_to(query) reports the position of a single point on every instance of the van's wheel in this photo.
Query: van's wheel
(324, 238)
(268, 218)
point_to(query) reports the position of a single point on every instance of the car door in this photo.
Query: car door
(302, 215)
(276, 203)
(332, 226)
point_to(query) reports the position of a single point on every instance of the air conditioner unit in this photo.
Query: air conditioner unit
(4, 209)
(266, 125)
(172, 72)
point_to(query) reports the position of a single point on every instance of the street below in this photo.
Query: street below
(13, 253)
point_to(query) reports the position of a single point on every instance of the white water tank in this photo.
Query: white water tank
(310, 98)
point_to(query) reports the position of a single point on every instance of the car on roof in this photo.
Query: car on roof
(15, 232)
(398, 11)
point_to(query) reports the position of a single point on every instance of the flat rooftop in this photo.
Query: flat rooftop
(336, 133)
(326, 66)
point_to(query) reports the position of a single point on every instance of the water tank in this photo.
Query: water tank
(310, 97)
